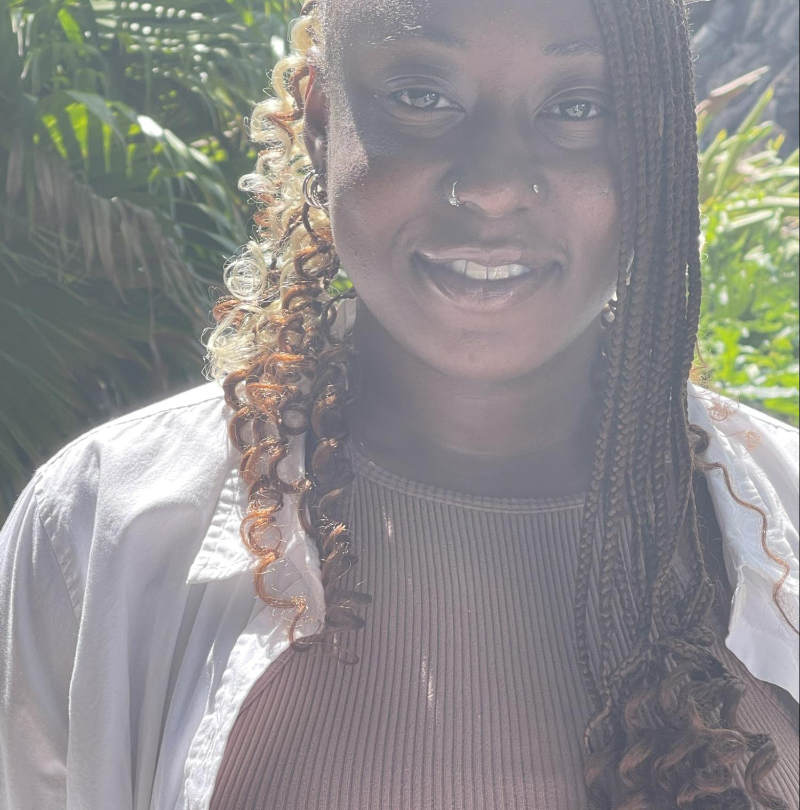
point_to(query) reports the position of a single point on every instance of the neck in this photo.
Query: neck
(530, 436)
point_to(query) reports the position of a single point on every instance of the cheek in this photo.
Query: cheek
(372, 201)
(385, 167)
(589, 197)
(347, 164)
(354, 196)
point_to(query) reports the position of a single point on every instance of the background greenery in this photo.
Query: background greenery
(121, 144)
(749, 326)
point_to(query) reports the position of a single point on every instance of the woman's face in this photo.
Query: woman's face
(511, 100)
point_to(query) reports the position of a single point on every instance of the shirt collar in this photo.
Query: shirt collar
(222, 553)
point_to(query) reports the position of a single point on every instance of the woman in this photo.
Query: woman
(499, 426)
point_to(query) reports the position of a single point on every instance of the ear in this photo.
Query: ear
(315, 121)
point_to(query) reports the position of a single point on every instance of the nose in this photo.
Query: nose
(501, 179)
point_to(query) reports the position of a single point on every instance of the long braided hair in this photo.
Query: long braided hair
(664, 733)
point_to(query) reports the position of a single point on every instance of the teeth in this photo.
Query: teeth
(477, 271)
(482, 273)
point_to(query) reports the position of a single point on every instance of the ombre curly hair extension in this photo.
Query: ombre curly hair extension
(664, 733)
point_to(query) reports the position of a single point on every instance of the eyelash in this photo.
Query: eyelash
(595, 110)
(424, 91)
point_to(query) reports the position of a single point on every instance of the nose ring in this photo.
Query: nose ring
(454, 200)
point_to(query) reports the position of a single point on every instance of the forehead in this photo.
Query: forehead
(457, 22)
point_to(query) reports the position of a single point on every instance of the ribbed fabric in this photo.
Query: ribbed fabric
(466, 694)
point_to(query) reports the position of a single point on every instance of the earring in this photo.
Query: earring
(599, 370)
(629, 268)
(313, 192)
(609, 313)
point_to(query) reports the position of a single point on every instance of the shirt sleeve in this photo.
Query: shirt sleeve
(38, 634)
(759, 454)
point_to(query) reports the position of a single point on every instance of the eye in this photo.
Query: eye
(422, 98)
(574, 110)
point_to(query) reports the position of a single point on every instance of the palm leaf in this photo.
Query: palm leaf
(119, 155)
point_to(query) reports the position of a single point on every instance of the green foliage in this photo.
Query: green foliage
(749, 324)
(120, 150)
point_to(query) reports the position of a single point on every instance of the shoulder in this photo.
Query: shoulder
(95, 600)
(759, 452)
(744, 431)
(155, 443)
(751, 466)
(148, 480)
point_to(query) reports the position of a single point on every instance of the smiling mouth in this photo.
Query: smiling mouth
(484, 288)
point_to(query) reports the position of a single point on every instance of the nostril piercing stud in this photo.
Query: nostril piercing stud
(453, 198)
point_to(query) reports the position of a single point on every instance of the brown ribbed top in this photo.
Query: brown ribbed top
(466, 694)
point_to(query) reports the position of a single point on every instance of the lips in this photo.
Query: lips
(488, 255)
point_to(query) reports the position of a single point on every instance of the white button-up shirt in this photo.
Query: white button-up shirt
(130, 628)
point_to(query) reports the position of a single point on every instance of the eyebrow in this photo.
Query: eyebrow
(420, 34)
(574, 47)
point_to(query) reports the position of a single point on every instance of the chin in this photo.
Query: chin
(484, 357)
(478, 361)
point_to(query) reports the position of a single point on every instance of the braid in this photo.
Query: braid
(643, 96)
(663, 732)
(640, 329)
(612, 383)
